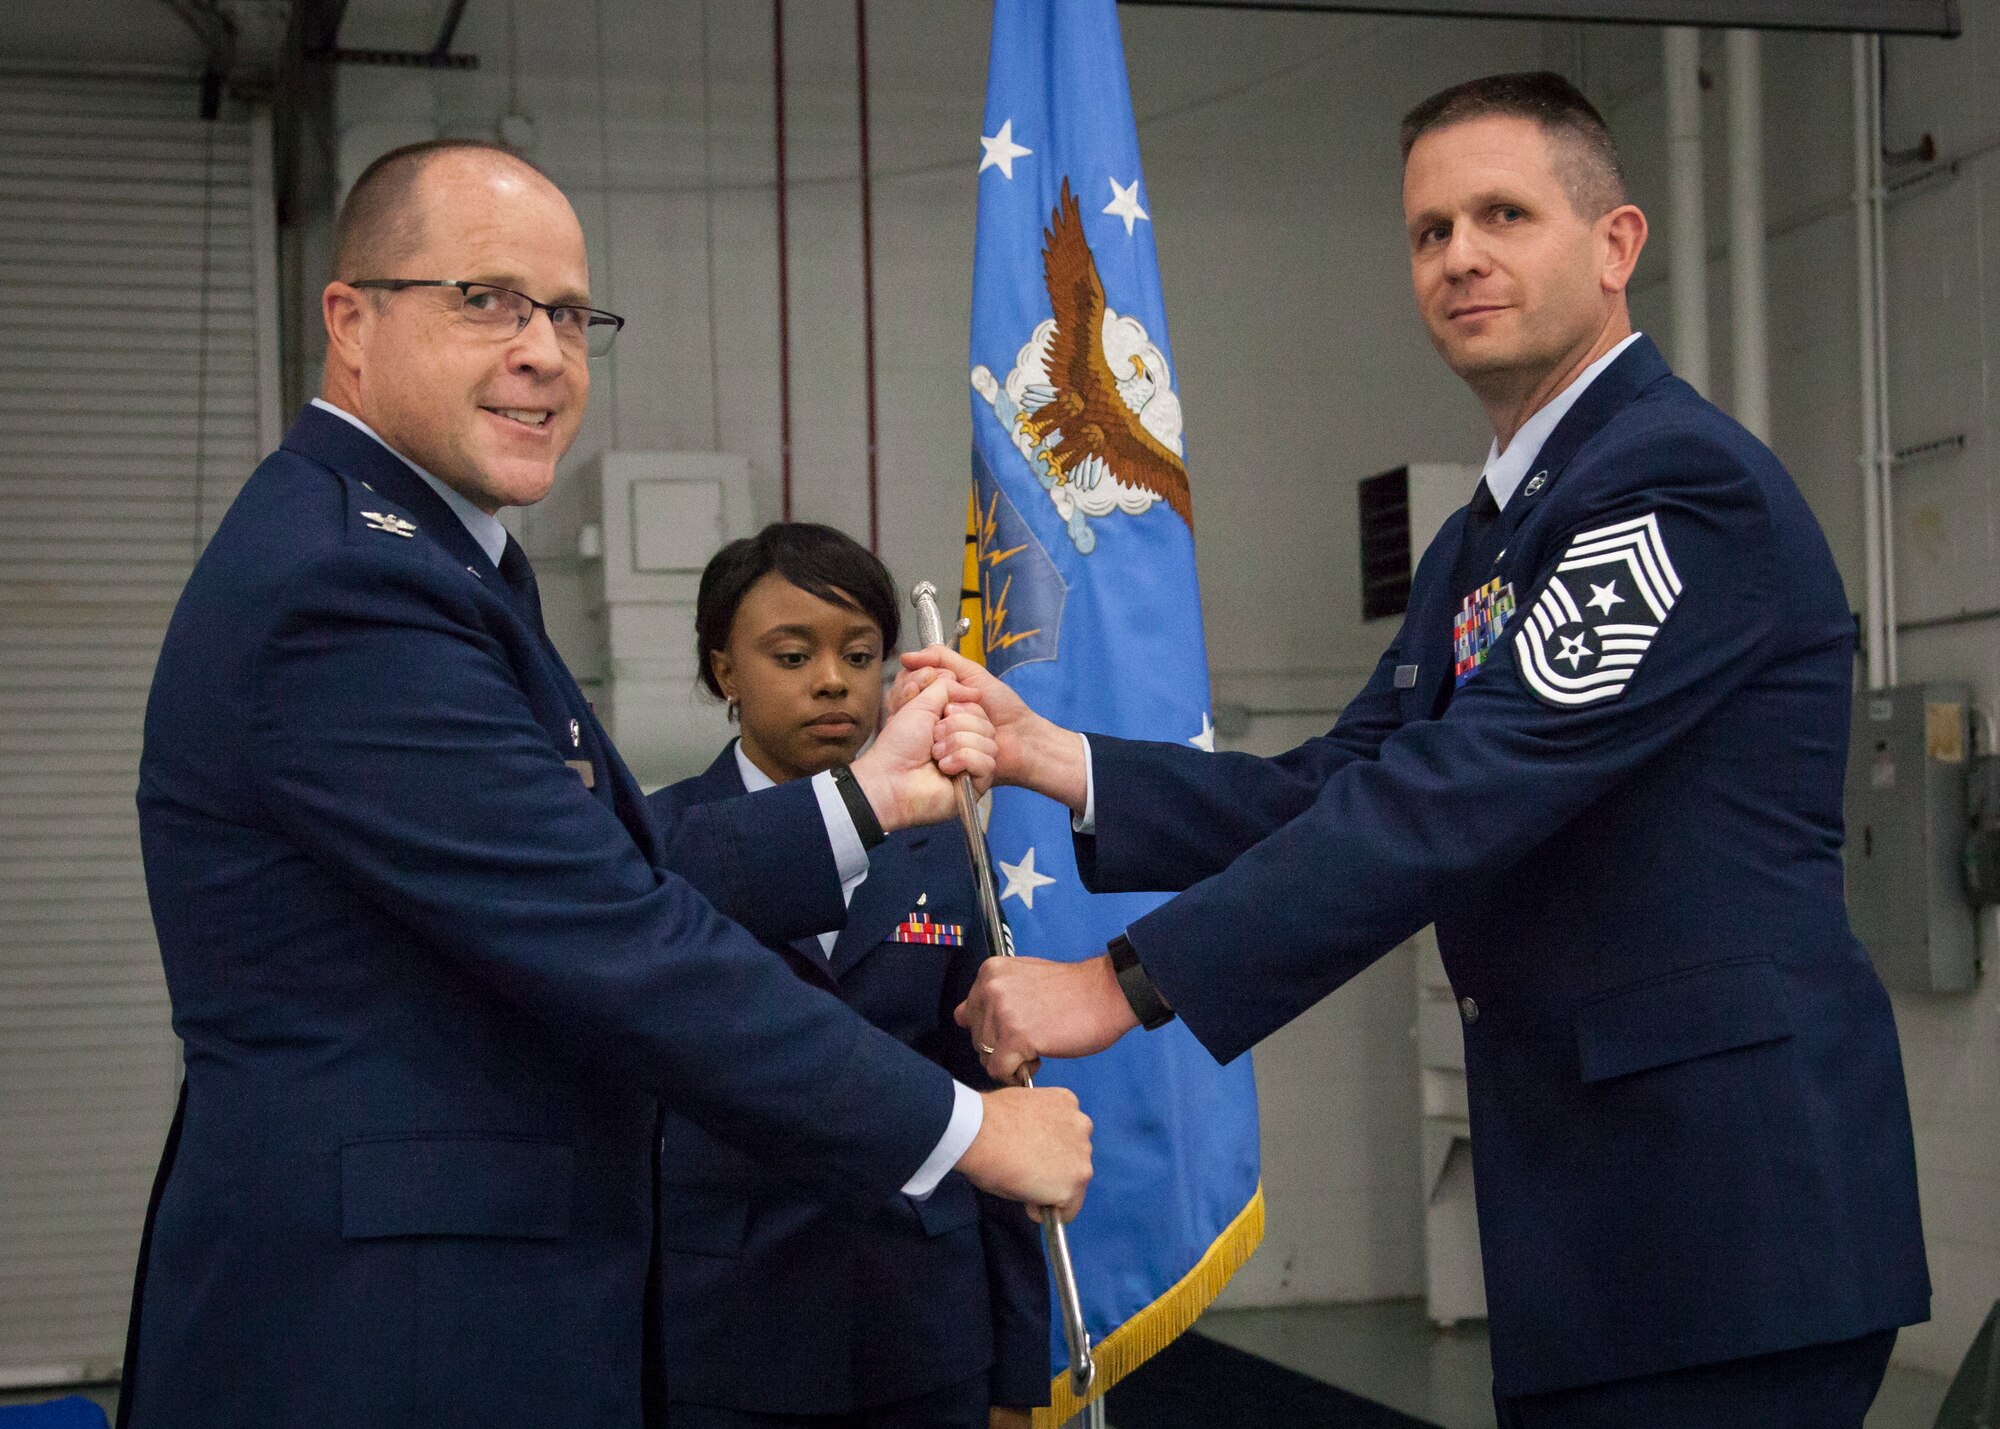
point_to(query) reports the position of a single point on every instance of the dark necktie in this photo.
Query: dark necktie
(520, 578)
(1480, 514)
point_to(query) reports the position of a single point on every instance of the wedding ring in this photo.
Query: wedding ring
(984, 1050)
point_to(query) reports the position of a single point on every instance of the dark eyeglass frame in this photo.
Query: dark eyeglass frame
(593, 317)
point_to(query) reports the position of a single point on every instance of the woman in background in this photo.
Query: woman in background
(783, 1311)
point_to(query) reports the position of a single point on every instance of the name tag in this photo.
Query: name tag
(584, 771)
(1406, 677)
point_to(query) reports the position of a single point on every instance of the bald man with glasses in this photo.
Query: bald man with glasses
(435, 965)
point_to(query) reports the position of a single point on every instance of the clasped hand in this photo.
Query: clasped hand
(931, 737)
(1023, 1009)
(1027, 750)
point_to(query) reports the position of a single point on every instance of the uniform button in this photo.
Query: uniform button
(1469, 1010)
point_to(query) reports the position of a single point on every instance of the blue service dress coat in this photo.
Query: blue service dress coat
(434, 977)
(1689, 1125)
(779, 1302)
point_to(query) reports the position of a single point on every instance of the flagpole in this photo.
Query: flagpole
(1091, 1416)
(1082, 1368)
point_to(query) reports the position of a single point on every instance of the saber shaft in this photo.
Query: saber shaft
(1082, 1367)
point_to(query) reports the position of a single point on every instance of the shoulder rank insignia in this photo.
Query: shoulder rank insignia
(1597, 616)
(394, 525)
(921, 928)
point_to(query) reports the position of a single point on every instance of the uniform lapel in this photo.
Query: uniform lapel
(889, 894)
(1636, 369)
(721, 780)
(1432, 603)
(724, 780)
(320, 436)
(626, 798)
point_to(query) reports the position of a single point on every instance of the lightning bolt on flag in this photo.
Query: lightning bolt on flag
(1080, 590)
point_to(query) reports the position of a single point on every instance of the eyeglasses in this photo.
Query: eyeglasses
(501, 313)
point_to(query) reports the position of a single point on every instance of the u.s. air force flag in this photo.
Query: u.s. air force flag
(1080, 585)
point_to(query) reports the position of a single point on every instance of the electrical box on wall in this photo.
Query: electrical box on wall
(1906, 835)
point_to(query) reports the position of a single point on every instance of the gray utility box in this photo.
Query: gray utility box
(1906, 830)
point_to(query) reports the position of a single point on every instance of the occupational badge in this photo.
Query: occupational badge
(393, 524)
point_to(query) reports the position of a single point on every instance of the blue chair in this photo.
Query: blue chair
(71, 1412)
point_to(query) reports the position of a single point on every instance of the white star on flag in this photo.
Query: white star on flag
(1001, 151)
(1206, 739)
(1574, 650)
(1604, 596)
(1126, 204)
(1022, 880)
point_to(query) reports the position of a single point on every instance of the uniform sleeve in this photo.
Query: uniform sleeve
(392, 743)
(761, 859)
(1171, 815)
(1524, 747)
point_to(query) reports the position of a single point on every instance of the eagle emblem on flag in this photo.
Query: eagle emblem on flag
(1598, 615)
(1090, 401)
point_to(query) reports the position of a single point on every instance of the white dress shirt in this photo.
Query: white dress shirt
(755, 779)
(850, 859)
(1506, 470)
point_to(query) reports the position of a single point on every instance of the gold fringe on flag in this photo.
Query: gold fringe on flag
(1160, 1323)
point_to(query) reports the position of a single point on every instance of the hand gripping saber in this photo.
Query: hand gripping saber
(1082, 1368)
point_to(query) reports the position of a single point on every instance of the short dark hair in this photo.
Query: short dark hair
(819, 560)
(1586, 160)
(379, 224)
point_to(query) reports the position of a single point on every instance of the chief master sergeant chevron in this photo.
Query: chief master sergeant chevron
(1604, 754)
(434, 963)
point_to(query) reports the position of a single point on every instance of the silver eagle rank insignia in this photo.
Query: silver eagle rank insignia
(393, 524)
(1596, 618)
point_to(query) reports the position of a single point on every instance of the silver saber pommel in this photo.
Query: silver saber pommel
(1082, 1367)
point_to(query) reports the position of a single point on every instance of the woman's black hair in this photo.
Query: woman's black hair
(817, 559)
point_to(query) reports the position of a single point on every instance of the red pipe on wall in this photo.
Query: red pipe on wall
(867, 270)
(784, 272)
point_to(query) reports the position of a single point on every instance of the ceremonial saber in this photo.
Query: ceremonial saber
(1082, 1368)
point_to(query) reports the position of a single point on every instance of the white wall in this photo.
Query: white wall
(1272, 178)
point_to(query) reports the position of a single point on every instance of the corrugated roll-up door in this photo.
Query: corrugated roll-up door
(128, 419)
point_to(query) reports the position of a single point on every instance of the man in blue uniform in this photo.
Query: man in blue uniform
(1604, 756)
(435, 965)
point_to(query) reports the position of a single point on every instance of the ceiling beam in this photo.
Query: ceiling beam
(1888, 17)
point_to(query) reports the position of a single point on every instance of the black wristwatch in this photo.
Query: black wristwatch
(858, 808)
(1147, 1005)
